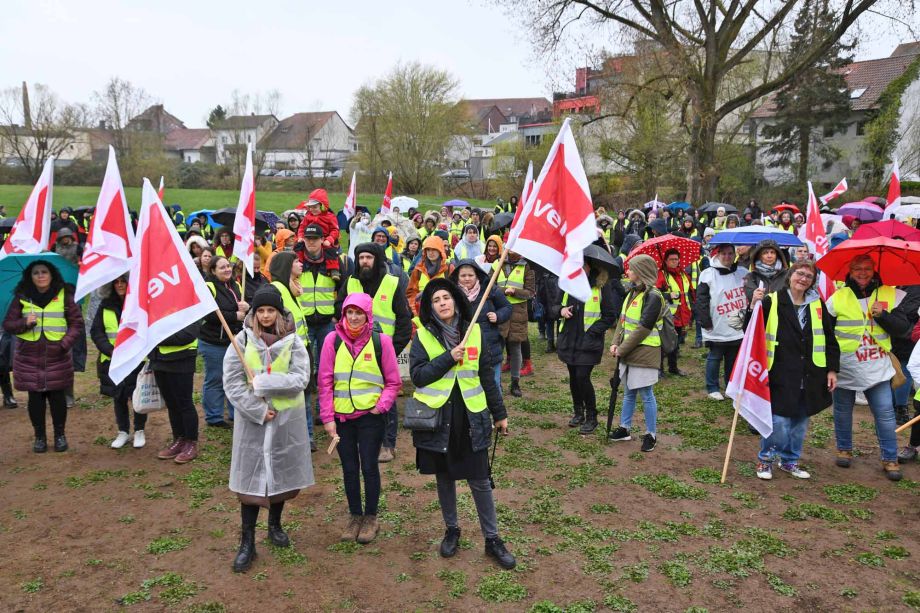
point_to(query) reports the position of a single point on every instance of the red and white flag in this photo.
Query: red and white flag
(107, 254)
(33, 225)
(841, 188)
(244, 224)
(816, 238)
(387, 195)
(749, 384)
(161, 189)
(166, 292)
(351, 200)
(894, 191)
(556, 223)
(528, 185)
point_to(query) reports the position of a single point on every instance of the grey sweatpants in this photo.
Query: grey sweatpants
(482, 496)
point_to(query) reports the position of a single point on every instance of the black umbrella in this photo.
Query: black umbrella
(6, 225)
(601, 257)
(614, 390)
(226, 216)
(502, 221)
(712, 207)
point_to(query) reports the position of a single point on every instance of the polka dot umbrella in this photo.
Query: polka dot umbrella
(689, 250)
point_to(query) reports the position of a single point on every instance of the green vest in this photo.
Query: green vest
(318, 294)
(465, 372)
(515, 280)
(383, 301)
(50, 320)
(853, 322)
(291, 305)
(110, 323)
(631, 317)
(358, 380)
(592, 312)
(280, 365)
(817, 332)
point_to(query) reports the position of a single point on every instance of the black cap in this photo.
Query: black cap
(313, 231)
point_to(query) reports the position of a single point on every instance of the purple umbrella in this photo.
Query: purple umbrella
(456, 203)
(863, 211)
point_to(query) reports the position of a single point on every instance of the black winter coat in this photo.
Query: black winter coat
(178, 361)
(107, 387)
(574, 344)
(211, 329)
(492, 341)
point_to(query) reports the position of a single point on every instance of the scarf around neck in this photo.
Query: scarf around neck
(449, 330)
(473, 292)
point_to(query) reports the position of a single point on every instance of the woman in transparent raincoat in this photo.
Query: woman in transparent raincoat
(271, 451)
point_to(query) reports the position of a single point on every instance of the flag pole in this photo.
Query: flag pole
(236, 345)
(485, 294)
(731, 438)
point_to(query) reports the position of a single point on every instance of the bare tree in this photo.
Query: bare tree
(116, 104)
(242, 104)
(34, 128)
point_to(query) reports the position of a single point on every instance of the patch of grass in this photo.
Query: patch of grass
(885, 535)
(581, 606)
(39, 487)
(867, 558)
(849, 593)
(849, 493)
(165, 544)
(455, 580)
(620, 604)
(677, 572)
(912, 599)
(288, 556)
(402, 577)
(864, 514)
(207, 607)
(101, 440)
(706, 475)
(501, 587)
(780, 587)
(175, 589)
(126, 519)
(546, 606)
(33, 586)
(802, 511)
(637, 573)
(895, 552)
(604, 509)
(669, 487)
(344, 547)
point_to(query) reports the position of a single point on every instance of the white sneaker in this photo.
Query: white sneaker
(861, 399)
(139, 439)
(716, 396)
(120, 440)
(765, 470)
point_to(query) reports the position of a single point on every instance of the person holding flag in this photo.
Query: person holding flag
(803, 359)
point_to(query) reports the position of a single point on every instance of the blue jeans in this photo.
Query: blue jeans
(212, 396)
(786, 440)
(317, 335)
(649, 404)
(699, 332)
(498, 374)
(720, 353)
(879, 397)
(902, 394)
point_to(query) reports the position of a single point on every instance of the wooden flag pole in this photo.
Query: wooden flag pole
(236, 345)
(485, 294)
(904, 427)
(731, 440)
(243, 289)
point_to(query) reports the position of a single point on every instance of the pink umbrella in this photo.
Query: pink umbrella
(863, 211)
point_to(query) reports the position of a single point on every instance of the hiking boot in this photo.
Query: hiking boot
(277, 535)
(68, 398)
(765, 470)
(387, 454)
(495, 548)
(649, 441)
(844, 458)
(247, 551)
(620, 434)
(901, 416)
(352, 528)
(139, 439)
(369, 529)
(515, 389)
(60, 443)
(795, 470)
(189, 452)
(120, 440)
(527, 368)
(174, 449)
(892, 470)
(577, 419)
(40, 445)
(907, 454)
(449, 542)
(9, 401)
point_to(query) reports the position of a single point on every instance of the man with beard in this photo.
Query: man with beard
(390, 310)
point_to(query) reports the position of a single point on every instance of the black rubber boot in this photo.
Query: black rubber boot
(247, 550)
(495, 548)
(450, 542)
(515, 389)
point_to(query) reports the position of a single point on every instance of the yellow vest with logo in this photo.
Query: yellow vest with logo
(818, 348)
(318, 294)
(358, 380)
(50, 321)
(674, 288)
(226, 254)
(853, 322)
(280, 365)
(465, 372)
(291, 305)
(110, 323)
(515, 280)
(383, 301)
(631, 317)
(592, 312)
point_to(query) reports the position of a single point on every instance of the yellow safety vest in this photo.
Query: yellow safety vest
(406, 264)
(358, 380)
(280, 365)
(220, 252)
(50, 320)
(674, 288)
(465, 372)
(456, 229)
(383, 301)
(110, 323)
(515, 280)
(461, 250)
(423, 279)
(166, 349)
(318, 294)
(592, 312)
(291, 305)
(695, 274)
(631, 317)
(853, 322)
(818, 347)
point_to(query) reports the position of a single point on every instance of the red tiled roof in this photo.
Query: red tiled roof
(187, 139)
(242, 122)
(509, 106)
(296, 131)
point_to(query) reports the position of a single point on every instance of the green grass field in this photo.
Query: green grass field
(14, 196)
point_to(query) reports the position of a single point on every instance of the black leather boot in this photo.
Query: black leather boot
(40, 445)
(578, 418)
(450, 542)
(495, 548)
(247, 551)
(60, 442)
(590, 424)
(515, 389)
(9, 401)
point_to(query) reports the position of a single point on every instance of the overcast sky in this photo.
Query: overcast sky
(192, 54)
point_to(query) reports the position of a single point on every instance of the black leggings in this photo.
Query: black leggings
(58, 402)
(5, 385)
(176, 390)
(525, 350)
(581, 387)
(123, 414)
(249, 513)
(915, 429)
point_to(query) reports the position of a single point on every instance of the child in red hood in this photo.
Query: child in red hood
(317, 207)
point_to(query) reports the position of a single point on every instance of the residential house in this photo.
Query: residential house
(190, 145)
(154, 119)
(314, 141)
(233, 134)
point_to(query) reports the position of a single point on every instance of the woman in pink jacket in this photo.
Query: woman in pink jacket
(358, 382)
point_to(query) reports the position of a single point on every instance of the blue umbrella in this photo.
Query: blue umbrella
(11, 268)
(679, 206)
(751, 235)
(206, 213)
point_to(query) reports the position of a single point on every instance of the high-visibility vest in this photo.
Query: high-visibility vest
(461, 251)
(631, 317)
(358, 380)
(592, 311)
(280, 365)
(213, 289)
(291, 305)
(853, 322)
(515, 280)
(383, 301)
(318, 294)
(167, 349)
(465, 372)
(407, 264)
(674, 288)
(423, 279)
(456, 228)
(219, 251)
(719, 224)
(110, 323)
(817, 332)
(695, 274)
(50, 320)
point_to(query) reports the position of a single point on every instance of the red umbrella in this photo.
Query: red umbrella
(897, 262)
(887, 229)
(689, 250)
(787, 207)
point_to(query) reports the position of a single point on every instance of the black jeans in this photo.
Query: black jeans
(359, 445)
(672, 357)
(176, 390)
(582, 389)
(123, 414)
(391, 419)
(58, 402)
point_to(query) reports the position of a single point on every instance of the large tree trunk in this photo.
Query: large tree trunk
(804, 153)
(702, 176)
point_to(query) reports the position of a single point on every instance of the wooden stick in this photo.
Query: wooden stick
(239, 350)
(900, 429)
(485, 295)
(332, 444)
(243, 290)
(731, 440)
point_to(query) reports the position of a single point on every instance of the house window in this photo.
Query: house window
(861, 128)
(224, 140)
(856, 93)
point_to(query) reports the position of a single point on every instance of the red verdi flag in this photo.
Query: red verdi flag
(816, 238)
(841, 188)
(244, 224)
(351, 200)
(109, 245)
(894, 191)
(165, 290)
(387, 195)
(749, 384)
(556, 223)
(33, 225)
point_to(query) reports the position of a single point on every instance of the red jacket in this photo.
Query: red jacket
(325, 220)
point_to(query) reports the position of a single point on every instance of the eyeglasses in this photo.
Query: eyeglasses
(804, 275)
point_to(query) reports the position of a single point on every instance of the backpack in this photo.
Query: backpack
(666, 332)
